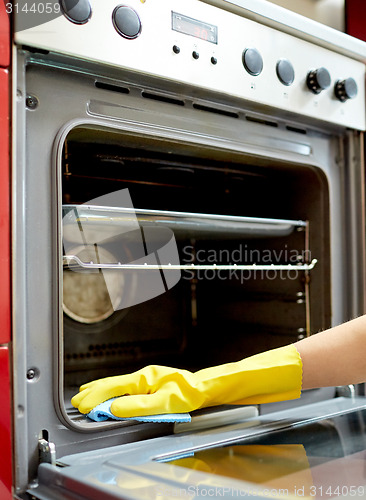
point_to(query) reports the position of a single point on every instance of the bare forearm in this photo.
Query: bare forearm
(336, 356)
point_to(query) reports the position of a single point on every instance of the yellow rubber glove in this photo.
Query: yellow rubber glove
(264, 378)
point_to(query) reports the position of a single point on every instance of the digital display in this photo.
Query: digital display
(193, 27)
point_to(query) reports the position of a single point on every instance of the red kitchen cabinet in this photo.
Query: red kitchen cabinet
(356, 18)
(5, 289)
(5, 427)
(4, 37)
(6, 477)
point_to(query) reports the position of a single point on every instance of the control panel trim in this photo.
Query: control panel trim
(160, 51)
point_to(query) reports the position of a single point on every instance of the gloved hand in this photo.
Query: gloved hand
(264, 378)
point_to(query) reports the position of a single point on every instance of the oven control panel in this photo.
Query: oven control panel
(201, 45)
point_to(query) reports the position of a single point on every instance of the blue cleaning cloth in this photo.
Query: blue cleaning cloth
(103, 412)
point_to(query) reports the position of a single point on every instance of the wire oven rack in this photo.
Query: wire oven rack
(78, 218)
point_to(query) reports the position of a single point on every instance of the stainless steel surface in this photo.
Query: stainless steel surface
(290, 22)
(110, 91)
(152, 53)
(47, 452)
(212, 419)
(37, 228)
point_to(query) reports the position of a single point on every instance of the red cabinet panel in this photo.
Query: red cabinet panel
(5, 427)
(5, 263)
(356, 18)
(5, 292)
(4, 36)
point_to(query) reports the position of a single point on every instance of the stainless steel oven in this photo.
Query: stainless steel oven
(188, 189)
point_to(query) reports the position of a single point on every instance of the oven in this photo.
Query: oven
(187, 190)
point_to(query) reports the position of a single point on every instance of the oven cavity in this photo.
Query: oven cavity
(252, 255)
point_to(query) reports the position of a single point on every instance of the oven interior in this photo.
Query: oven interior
(212, 315)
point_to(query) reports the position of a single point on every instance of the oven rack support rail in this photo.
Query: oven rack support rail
(78, 218)
(74, 262)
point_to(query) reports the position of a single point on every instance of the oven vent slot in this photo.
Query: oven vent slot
(35, 50)
(162, 98)
(216, 111)
(254, 119)
(120, 350)
(296, 130)
(108, 350)
(112, 88)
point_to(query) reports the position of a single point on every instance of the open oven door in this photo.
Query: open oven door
(316, 450)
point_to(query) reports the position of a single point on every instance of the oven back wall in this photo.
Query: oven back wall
(65, 100)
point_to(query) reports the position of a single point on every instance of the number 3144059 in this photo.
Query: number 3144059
(33, 8)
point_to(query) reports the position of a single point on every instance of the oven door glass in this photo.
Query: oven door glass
(312, 452)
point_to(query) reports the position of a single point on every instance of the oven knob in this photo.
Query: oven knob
(126, 21)
(345, 89)
(285, 72)
(252, 61)
(76, 11)
(318, 80)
